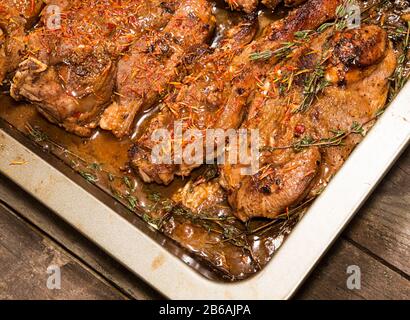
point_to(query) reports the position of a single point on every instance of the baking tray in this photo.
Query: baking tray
(174, 272)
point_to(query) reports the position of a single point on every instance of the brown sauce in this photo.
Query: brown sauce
(102, 160)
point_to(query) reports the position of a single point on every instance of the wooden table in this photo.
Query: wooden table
(32, 238)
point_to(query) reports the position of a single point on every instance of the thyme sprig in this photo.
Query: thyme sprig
(313, 86)
(91, 178)
(401, 74)
(40, 137)
(284, 51)
(301, 37)
(337, 139)
(342, 16)
(264, 228)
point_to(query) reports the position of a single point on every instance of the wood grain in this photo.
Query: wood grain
(25, 256)
(74, 243)
(378, 281)
(383, 225)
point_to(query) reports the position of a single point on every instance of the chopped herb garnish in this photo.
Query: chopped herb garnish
(314, 85)
(128, 183)
(95, 166)
(36, 134)
(110, 176)
(401, 74)
(132, 202)
(91, 178)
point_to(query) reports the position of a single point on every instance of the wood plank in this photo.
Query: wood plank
(383, 224)
(25, 256)
(328, 281)
(74, 242)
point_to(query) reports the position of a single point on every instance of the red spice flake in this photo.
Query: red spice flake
(77, 114)
(300, 129)
(111, 26)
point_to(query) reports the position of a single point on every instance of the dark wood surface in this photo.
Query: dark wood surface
(32, 238)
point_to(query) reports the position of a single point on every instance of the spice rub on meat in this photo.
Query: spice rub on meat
(16, 16)
(328, 92)
(201, 89)
(251, 5)
(243, 5)
(155, 61)
(216, 96)
(72, 55)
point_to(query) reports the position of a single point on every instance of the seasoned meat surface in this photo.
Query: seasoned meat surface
(247, 6)
(16, 16)
(305, 137)
(155, 61)
(251, 5)
(216, 96)
(196, 102)
(245, 68)
(72, 60)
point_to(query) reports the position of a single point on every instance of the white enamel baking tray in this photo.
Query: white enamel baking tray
(149, 257)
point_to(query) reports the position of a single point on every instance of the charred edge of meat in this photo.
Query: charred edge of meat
(360, 49)
(307, 15)
(169, 8)
(355, 53)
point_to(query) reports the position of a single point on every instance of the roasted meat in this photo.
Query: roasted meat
(250, 68)
(251, 5)
(216, 97)
(311, 111)
(16, 16)
(199, 91)
(243, 5)
(201, 197)
(155, 61)
(70, 71)
(289, 3)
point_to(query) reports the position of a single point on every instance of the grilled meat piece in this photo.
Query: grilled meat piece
(333, 85)
(16, 16)
(70, 71)
(200, 91)
(201, 197)
(249, 6)
(216, 96)
(155, 61)
(248, 69)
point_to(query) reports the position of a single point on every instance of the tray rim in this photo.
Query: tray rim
(293, 262)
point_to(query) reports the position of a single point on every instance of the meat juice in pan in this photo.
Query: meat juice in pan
(216, 236)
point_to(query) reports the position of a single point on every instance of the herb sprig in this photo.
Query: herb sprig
(401, 74)
(337, 138)
(314, 85)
